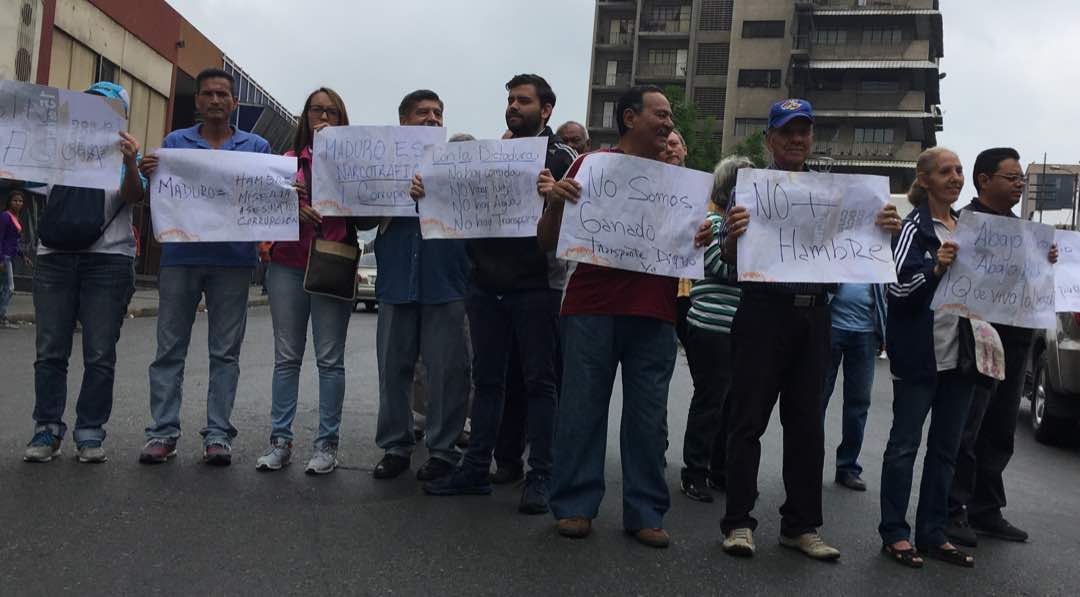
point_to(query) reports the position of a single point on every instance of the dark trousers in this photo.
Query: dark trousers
(857, 351)
(682, 306)
(709, 355)
(510, 443)
(529, 318)
(948, 397)
(780, 350)
(987, 443)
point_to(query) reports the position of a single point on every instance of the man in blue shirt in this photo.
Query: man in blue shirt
(420, 286)
(220, 270)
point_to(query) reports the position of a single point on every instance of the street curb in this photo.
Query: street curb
(139, 312)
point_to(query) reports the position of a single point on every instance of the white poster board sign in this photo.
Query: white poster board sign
(60, 137)
(204, 195)
(482, 189)
(1067, 272)
(1001, 273)
(366, 170)
(636, 214)
(813, 227)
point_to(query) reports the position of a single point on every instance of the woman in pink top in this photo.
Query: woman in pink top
(291, 307)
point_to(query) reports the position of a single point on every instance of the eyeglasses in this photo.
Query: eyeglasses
(1013, 178)
(317, 110)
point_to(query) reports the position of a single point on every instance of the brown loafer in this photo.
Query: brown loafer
(652, 537)
(577, 527)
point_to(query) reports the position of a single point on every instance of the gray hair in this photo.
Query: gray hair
(460, 137)
(724, 176)
(574, 123)
(681, 138)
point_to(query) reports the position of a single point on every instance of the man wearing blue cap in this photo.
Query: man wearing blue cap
(84, 273)
(782, 334)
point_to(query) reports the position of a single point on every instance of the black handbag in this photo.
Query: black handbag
(331, 266)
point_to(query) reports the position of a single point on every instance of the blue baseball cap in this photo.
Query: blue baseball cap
(784, 111)
(111, 90)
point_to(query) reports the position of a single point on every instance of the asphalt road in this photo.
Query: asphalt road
(184, 528)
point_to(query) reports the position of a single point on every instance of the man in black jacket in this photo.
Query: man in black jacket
(978, 490)
(515, 297)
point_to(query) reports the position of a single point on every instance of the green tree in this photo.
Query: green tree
(702, 149)
(753, 147)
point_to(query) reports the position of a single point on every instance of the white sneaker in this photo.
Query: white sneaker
(740, 542)
(92, 453)
(276, 456)
(323, 461)
(812, 545)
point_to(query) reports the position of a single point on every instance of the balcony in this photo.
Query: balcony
(918, 49)
(905, 151)
(871, 4)
(907, 101)
(618, 81)
(666, 27)
(662, 72)
(615, 41)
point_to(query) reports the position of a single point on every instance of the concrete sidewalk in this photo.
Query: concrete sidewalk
(143, 304)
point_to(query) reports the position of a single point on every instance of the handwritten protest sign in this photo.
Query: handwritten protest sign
(202, 195)
(366, 170)
(1001, 273)
(482, 189)
(813, 227)
(58, 136)
(636, 214)
(1067, 272)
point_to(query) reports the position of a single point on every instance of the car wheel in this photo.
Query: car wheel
(356, 306)
(369, 305)
(1048, 429)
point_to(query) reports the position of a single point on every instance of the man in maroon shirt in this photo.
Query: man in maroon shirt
(614, 317)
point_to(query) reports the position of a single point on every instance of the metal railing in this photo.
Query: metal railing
(669, 26)
(661, 70)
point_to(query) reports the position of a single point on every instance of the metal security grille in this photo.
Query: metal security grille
(709, 101)
(716, 15)
(712, 59)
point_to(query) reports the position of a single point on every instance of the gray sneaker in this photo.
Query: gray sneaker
(323, 461)
(276, 456)
(43, 447)
(812, 545)
(91, 453)
(740, 542)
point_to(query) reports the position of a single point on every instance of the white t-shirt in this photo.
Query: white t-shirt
(946, 325)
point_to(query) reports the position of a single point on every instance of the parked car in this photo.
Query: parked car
(365, 282)
(1054, 383)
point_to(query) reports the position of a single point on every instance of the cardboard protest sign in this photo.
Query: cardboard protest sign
(203, 195)
(813, 227)
(1067, 272)
(57, 136)
(1001, 273)
(636, 214)
(366, 170)
(482, 189)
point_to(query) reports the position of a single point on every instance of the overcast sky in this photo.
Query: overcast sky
(1013, 71)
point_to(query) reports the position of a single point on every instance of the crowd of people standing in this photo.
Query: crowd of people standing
(546, 339)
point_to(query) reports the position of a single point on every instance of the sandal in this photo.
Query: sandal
(951, 556)
(908, 557)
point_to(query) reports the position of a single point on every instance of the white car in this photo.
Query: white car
(365, 283)
(1054, 388)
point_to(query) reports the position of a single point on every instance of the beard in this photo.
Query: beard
(528, 126)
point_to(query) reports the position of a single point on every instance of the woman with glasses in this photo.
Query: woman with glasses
(291, 307)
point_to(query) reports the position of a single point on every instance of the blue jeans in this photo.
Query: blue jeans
(180, 288)
(93, 289)
(949, 397)
(593, 347)
(858, 351)
(290, 308)
(529, 318)
(7, 287)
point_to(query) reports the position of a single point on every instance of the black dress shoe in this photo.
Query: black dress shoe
(716, 482)
(695, 489)
(851, 481)
(434, 468)
(960, 532)
(390, 467)
(507, 474)
(998, 528)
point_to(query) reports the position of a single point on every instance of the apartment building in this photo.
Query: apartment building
(1052, 194)
(869, 67)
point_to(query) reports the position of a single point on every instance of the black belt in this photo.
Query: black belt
(787, 298)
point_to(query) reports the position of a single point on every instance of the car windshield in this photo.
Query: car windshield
(367, 260)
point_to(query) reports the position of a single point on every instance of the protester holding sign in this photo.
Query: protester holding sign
(611, 317)
(421, 289)
(515, 295)
(291, 307)
(782, 334)
(931, 357)
(10, 235)
(84, 274)
(219, 270)
(978, 489)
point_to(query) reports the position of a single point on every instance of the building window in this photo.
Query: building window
(882, 35)
(879, 85)
(830, 37)
(668, 18)
(745, 127)
(763, 29)
(662, 56)
(826, 133)
(830, 80)
(106, 70)
(880, 136)
(712, 59)
(609, 115)
(759, 78)
(716, 15)
(710, 101)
